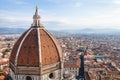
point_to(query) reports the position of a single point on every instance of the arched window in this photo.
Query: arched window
(28, 78)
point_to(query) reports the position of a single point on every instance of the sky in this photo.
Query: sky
(61, 14)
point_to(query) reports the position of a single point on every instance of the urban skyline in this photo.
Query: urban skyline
(71, 56)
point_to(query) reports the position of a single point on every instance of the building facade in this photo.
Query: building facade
(72, 66)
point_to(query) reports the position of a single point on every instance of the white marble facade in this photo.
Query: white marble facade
(56, 75)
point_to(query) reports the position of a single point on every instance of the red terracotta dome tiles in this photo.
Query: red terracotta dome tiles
(49, 54)
(29, 54)
(57, 44)
(15, 48)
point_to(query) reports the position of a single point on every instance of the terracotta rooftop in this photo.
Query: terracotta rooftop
(72, 64)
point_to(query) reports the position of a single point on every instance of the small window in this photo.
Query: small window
(51, 76)
(28, 78)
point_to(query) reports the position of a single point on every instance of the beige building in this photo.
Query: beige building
(72, 66)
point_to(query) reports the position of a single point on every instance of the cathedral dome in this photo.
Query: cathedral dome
(36, 52)
(36, 47)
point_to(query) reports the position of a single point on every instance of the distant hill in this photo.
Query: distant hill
(94, 31)
(11, 30)
(79, 31)
(20, 31)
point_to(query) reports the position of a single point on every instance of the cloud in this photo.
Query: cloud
(116, 1)
(55, 1)
(19, 2)
(75, 19)
(104, 19)
(99, 19)
(109, 1)
(11, 19)
(78, 4)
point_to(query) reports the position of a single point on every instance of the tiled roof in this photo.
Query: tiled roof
(72, 64)
(36, 46)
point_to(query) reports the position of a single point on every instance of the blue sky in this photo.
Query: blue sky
(61, 14)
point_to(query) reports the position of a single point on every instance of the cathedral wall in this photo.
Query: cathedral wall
(23, 77)
(54, 75)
